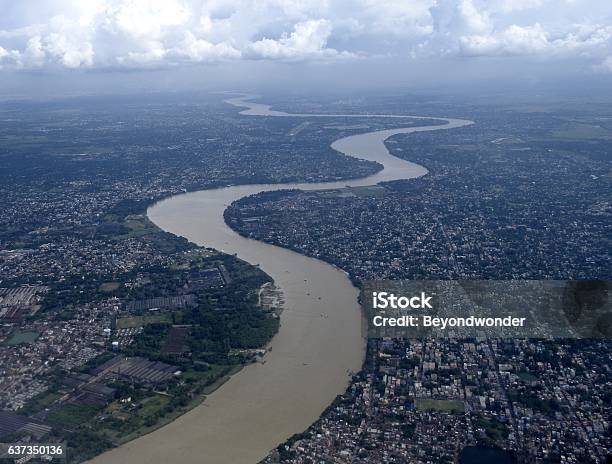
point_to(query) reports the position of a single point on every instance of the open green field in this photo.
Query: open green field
(152, 412)
(426, 404)
(40, 402)
(140, 321)
(108, 287)
(365, 191)
(19, 337)
(369, 191)
(71, 415)
(152, 405)
(139, 224)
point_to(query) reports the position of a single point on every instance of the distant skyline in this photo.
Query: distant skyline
(64, 46)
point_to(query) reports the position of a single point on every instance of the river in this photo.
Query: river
(320, 341)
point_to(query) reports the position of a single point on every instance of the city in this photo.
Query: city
(306, 232)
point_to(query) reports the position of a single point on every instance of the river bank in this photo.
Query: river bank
(320, 341)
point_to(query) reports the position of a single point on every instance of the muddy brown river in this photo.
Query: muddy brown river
(320, 340)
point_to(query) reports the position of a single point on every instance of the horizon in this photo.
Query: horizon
(60, 48)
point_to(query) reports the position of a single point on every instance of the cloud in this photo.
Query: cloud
(199, 50)
(9, 58)
(34, 54)
(64, 46)
(515, 40)
(307, 41)
(534, 40)
(605, 66)
(397, 19)
(146, 18)
(508, 6)
(72, 34)
(476, 20)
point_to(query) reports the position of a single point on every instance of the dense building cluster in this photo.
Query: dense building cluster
(108, 324)
(84, 274)
(71, 343)
(68, 183)
(431, 401)
(516, 196)
(513, 209)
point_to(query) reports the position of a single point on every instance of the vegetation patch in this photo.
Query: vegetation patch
(18, 337)
(71, 415)
(452, 406)
(140, 321)
(108, 287)
(494, 430)
(40, 402)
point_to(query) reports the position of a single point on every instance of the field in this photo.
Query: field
(139, 225)
(19, 337)
(140, 321)
(71, 415)
(366, 191)
(426, 404)
(156, 410)
(40, 402)
(108, 287)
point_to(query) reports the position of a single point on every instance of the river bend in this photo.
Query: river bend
(320, 340)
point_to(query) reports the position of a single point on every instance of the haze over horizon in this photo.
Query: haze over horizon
(61, 47)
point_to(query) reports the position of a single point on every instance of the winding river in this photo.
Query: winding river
(320, 340)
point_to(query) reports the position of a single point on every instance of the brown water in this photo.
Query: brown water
(320, 340)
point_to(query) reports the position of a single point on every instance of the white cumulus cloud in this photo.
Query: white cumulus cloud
(307, 41)
(535, 40)
(35, 34)
(9, 58)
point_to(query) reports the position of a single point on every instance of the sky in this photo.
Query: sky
(97, 45)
